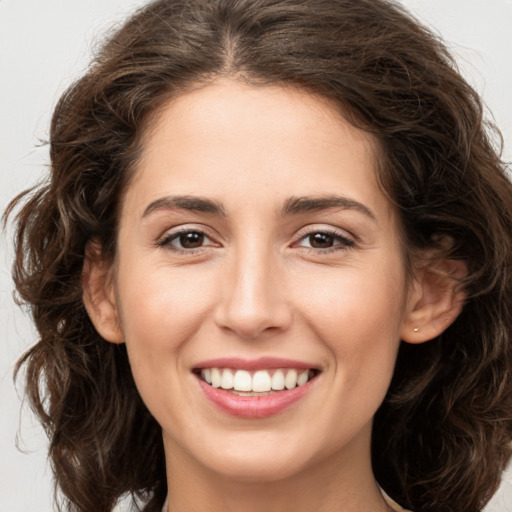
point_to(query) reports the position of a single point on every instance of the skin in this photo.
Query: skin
(256, 287)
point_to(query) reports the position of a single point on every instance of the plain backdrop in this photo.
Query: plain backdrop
(44, 45)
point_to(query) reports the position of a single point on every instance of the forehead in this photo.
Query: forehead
(240, 141)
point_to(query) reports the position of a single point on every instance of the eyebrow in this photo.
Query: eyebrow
(190, 203)
(292, 206)
(297, 205)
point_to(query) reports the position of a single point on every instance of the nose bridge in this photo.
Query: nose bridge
(252, 299)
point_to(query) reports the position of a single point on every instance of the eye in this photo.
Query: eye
(325, 241)
(186, 240)
(320, 240)
(189, 240)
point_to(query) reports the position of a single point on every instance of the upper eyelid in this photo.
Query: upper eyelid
(303, 232)
(184, 228)
(171, 234)
(319, 228)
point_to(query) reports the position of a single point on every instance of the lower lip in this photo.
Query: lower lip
(254, 407)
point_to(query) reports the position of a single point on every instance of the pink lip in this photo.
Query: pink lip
(254, 407)
(263, 363)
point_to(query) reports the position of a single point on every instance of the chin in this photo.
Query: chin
(249, 456)
(258, 468)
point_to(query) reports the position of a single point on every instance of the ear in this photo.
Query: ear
(435, 300)
(98, 294)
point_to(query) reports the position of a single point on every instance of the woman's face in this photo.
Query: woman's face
(257, 250)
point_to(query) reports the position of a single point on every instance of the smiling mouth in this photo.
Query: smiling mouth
(256, 383)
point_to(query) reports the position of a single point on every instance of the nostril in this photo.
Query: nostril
(252, 323)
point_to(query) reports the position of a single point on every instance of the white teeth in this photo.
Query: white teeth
(242, 381)
(290, 380)
(302, 378)
(227, 379)
(278, 380)
(262, 381)
(216, 378)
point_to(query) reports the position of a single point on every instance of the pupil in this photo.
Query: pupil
(191, 240)
(321, 240)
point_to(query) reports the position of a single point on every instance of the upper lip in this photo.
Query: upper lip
(262, 363)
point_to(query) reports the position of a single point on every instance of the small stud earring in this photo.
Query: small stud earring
(416, 329)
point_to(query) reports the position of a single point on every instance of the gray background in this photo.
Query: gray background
(44, 45)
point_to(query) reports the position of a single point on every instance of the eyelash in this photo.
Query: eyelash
(343, 243)
(166, 241)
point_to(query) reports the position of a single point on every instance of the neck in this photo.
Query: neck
(339, 483)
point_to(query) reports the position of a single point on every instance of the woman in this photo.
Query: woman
(264, 271)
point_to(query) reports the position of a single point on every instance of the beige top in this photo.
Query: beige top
(389, 501)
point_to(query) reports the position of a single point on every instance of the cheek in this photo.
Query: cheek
(354, 301)
(357, 314)
(160, 311)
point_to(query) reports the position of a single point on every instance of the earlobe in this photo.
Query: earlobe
(98, 295)
(435, 300)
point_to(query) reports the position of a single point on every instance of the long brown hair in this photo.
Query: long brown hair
(443, 434)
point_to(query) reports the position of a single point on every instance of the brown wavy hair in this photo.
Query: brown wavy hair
(443, 435)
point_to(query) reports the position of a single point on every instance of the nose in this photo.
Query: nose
(253, 299)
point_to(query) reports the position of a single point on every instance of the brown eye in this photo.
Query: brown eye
(325, 241)
(186, 240)
(321, 240)
(191, 239)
